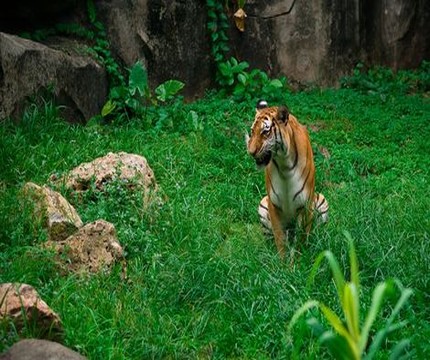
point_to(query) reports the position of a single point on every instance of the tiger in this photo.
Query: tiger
(281, 146)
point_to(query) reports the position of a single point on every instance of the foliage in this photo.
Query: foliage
(218, 26)
(96, 33)
(101, 48)
(385, 81)
(233, 76)
(202, 281)
(350, 340)
(132, 100)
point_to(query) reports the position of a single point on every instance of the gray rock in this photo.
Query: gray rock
(34, 349)
(77, 82)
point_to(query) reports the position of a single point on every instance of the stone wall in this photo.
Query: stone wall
(314, 41)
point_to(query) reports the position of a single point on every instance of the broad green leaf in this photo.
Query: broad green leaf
(276, 83)
(233, 61)
(108, 108)
(241, 78)
(242, 66)
(118, 93)
(168, 89)
(138, 80)
(133, 103)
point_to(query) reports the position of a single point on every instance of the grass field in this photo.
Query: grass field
(203, 282)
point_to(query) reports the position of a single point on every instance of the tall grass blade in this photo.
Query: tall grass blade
(353, 262)
(303, 309)
(380, 336)
(399, 350)
(337, 324)
(335, 268)
(338, 346)
(351, 310)
(377, 300)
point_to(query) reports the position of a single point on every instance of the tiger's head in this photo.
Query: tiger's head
(263, 140)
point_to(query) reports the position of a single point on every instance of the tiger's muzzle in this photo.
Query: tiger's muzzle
(262, 160)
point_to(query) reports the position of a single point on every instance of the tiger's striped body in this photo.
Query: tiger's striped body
(281, 145)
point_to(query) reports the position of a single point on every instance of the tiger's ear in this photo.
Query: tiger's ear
(282, 115)
(261, 104)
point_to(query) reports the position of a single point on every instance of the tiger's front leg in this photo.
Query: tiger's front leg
(278, 230)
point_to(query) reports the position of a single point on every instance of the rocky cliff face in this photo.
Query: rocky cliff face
(319, 41)
(307, 41)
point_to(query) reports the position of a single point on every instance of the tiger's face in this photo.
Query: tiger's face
(262, 141)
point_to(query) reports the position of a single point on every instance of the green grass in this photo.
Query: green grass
(203, 282)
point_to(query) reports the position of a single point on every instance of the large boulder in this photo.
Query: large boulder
(129, 170)
(35, 349)
(396, 33)
(93, 248)
(320, 41)
(308, 41)
(27, 68)
(22, 15)
(169, 36)
(22, 305)
(53, 211)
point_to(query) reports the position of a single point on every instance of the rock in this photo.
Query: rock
(320, 41)
(53, 210)
(130, 170)
(307, 41)
(21, 304)
(34, 349)
(27, 68)
(93, 248)
(29, 14)
(169, 36)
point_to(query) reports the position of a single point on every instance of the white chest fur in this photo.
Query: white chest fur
(286, 190)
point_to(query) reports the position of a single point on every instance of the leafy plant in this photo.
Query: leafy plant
(383, 80)
(218, 26)
(101, 47)
(232, 75)
(96, 33)
(133, 99)
(349, 340)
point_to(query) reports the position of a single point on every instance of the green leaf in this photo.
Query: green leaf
(338, 346)
(168, 89)
(351, 310)
(276, 83)
(377, 300)
(353, 261)
(302, 310)
(337, 273)
(133, 104)
(108, 108)
(241, 78)
(381, 334)
(399, 350)
(118, 93)
(336, 322)
(138, 80)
